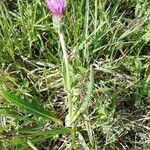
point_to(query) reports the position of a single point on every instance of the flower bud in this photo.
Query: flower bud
(57, 8)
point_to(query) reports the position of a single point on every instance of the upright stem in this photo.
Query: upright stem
(68, 78)
(86, 50)
(96, 10)
(65, 56)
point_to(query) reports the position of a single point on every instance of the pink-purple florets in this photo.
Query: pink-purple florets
(57, 7)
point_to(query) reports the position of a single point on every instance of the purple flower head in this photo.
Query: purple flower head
(57, 7)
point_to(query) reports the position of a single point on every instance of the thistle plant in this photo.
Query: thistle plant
(57, 8)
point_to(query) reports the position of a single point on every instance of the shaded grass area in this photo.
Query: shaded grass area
(113, 38)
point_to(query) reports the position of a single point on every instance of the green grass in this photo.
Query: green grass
(108, 44)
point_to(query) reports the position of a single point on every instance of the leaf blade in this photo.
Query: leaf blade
(32, 107)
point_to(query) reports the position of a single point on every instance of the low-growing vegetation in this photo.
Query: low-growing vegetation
(108, 45)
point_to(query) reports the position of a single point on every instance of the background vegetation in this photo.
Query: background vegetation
(111, 36)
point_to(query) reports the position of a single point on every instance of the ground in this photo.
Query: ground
(108, 45)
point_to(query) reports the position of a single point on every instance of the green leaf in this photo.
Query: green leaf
(37, 136)
(49, 133)
(84, 106)
(31, 107)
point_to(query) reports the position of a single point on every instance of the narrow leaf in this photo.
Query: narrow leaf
(49, 133)
(31, 107)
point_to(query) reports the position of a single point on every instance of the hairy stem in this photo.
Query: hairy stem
(67, 78)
